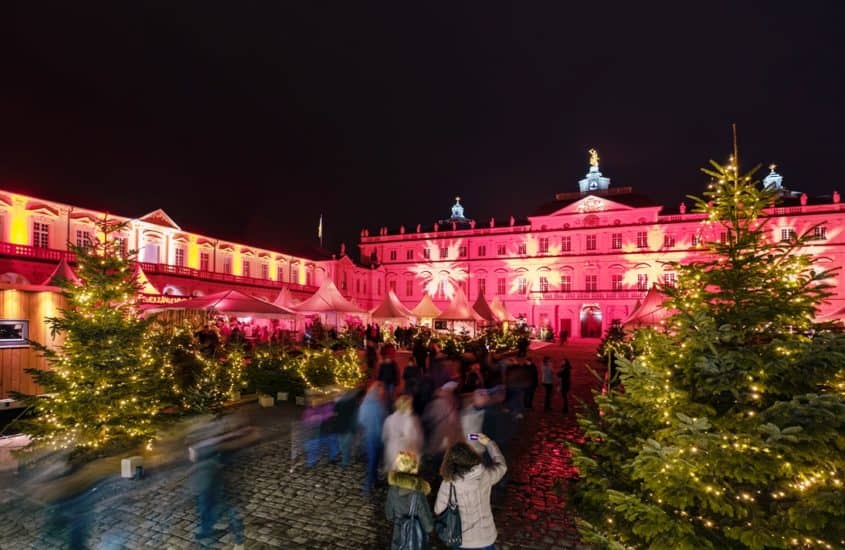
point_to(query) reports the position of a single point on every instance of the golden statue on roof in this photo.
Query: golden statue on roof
(594, 158)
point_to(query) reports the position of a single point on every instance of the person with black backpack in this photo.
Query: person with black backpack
(407, 506)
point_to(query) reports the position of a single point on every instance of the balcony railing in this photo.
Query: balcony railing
(588, 295)
(191, 273)
(34, 252)
(53, 255)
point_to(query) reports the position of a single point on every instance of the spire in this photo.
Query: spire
(594, 181)
(773, 180)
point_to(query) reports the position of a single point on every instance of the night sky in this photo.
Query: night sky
(247, 120)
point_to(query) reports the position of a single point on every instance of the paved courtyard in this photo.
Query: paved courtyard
(285, 505)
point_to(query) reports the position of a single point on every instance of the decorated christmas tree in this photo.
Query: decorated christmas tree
(103, 384)
(728, 427)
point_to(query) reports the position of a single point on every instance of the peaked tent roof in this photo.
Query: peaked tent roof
(426, 308)
(651, 312)
(230, 302)
(327, 299)
(62, 271)
(285, 299)
(499, 309)
(459, 309)
(483, 308)
(144, 281)
(391, 308)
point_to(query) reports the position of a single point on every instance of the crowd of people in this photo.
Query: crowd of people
(435, 416)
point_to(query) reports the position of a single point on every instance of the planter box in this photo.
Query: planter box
(128, 466)
(300, 400)
(266, 400)
(282, 396)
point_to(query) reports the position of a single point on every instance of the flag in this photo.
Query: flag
(320, 230)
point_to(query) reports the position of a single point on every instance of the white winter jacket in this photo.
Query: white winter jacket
(473, 494)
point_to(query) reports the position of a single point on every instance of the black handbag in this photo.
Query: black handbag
(447, 524)
(412, 535)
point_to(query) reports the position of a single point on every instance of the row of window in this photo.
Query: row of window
(590, 244)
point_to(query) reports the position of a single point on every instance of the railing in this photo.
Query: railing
(53, 255)
(181, 271)
(34, 252)
(588, 295)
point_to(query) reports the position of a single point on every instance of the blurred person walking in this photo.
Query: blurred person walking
(371, 417)
(565, 376)
(402, 431)
(548, 381)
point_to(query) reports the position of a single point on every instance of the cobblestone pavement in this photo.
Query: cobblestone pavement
(285, 505)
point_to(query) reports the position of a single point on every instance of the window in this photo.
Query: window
(444, 253)
(668, 241)
(642, 239)
(566, 244)
(462, 252)
(591, 242)
(723, 237)
(544, 284)
(787, 234)
(482, 251)
(123, 246)
(523, 250)
(392, 285)
(40, 235)
(227, 266)
(501, 286)
(522, 285)
(309, 277)
(819, 233)
(392, 255)
(83, 239)
(616, 281)
(265, 271)
(566, 282)
(427, 253)
(544, 245)
(482, 287)
(441, 290)
(670, 279)
(642, 281)
(696, 240)
(358, 286)
(616, 241)
(280, 275)
(179, 257)
(502, 250)
(591, 283)
(204, 261)
(409, 287)
(246, 268)
(409, 254)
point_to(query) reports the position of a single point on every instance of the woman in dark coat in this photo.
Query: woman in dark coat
(407, 489)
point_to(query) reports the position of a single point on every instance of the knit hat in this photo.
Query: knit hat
(406, 462)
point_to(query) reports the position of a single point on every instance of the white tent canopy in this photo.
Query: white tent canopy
(392, 308)
(499, 309)
(62, 271)
(459, 309)
(285, 299)
(483, 308)
(426, 309)
(327, 299)
(228, 302)
(651, 312)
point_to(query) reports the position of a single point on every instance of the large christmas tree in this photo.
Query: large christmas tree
(103, 383)
(728, 429)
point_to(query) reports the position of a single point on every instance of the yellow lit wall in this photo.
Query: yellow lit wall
(193, 258)
(18, 221)
(301, 275)
(237, 263)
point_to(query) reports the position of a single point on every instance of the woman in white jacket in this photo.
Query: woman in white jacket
(463, 468)
(402, 431)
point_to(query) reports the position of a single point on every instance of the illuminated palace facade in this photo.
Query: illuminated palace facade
(34, 237)
(582, 261)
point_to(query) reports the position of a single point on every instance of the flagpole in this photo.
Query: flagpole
(320, 231)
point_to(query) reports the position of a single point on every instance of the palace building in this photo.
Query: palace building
(582, 261)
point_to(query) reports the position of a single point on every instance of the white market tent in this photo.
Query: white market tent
(63, 271)
(484, 310)
(650, 313)
(425, 310)
(391, 309)
(228, 302)
(328, 299)
(460, 312)
(285, 299)
(144, 282)
(499, 309)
